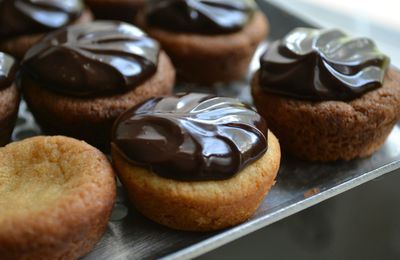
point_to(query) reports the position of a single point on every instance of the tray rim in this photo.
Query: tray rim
(246, 228)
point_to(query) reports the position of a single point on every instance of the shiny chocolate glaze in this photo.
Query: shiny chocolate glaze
(8, 69)
(191, 137)
(317, 64)
(97, 58)
(34, 16)
(200, 16)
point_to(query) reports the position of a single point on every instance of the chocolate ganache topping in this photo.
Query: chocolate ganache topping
(317, 64)
(98, 58)
(191, 137)
(200, 16)
(33, 16)
(8, 69)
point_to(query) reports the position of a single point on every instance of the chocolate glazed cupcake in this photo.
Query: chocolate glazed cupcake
(78, 80)
(195, 162)
(24, 22)
(9, 97)
(208, 41)
(123, 10)
(327, 96)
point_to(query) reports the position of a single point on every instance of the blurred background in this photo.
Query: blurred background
(363, 223)
(378, 19)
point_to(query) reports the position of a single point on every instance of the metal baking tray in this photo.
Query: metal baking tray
(299, 185)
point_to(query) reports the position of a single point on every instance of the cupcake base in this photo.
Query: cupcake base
(91, 119)
(56, 196)
(9, 103)
(203, 205)
(332, 130)
(208, 59)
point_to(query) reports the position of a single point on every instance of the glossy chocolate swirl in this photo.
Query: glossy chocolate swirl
(98, 58)
(191, 137)
(34, 16)
(322, 65)
(8, 69)
(200, 16)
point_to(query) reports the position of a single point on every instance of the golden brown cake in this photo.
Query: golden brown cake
(85, 104)
(22, 25)
(200, 206)
(316, 116)
(202, 49)
(185, 173)
(56, 195)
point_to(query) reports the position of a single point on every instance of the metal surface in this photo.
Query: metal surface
(299, 185)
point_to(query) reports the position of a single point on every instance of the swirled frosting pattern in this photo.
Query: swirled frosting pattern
(98, 58)
(33, 16)
(191, 137)
(317, 64)
(200, 16)
(8, 69)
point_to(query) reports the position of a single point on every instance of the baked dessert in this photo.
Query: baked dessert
(57, 194)
(9, 97)
(195, 162)
(103, 68)
(208, 41)
(24, 22)
(327, 96)
(123, 10)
